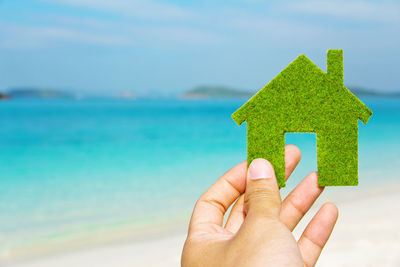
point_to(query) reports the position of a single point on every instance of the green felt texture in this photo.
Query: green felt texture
(303, 98)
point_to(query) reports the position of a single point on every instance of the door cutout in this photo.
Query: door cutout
(307, 143)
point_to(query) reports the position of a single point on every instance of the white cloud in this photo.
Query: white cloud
(100, 33)
(23, 36)
(158, 25)
(355, 10)
(291, 32)
(148, 32)
(139, 22)
(75, 21)
(145, 9)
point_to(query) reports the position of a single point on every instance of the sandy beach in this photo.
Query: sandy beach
(366, 234)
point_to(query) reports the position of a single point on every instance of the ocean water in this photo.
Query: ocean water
(71, 166)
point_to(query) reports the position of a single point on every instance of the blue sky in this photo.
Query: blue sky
(170, 46)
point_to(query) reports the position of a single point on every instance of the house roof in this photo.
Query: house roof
(301, 67)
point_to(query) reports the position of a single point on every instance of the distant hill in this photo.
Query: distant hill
(31, 92)
(4, 96)
(216, 92)
(359, 91)
(226, 92)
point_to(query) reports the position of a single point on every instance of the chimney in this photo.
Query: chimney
(335, 65)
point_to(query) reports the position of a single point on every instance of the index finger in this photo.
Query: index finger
(213, 204)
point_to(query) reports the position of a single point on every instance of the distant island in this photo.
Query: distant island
(203, 92)
(4, 96)
(31, 92)
(215, 92)
(359, 91)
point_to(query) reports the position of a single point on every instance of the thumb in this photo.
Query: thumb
(262, 197)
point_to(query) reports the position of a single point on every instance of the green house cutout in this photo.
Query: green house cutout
(303, 98)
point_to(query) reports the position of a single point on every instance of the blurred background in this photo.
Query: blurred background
(115, 117)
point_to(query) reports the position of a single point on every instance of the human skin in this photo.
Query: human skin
(259, 228)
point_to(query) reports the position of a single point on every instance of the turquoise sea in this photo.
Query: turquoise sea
(69, 166)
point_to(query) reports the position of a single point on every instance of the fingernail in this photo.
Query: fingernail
(260, 169)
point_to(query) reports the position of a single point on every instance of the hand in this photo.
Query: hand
(259, 229)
